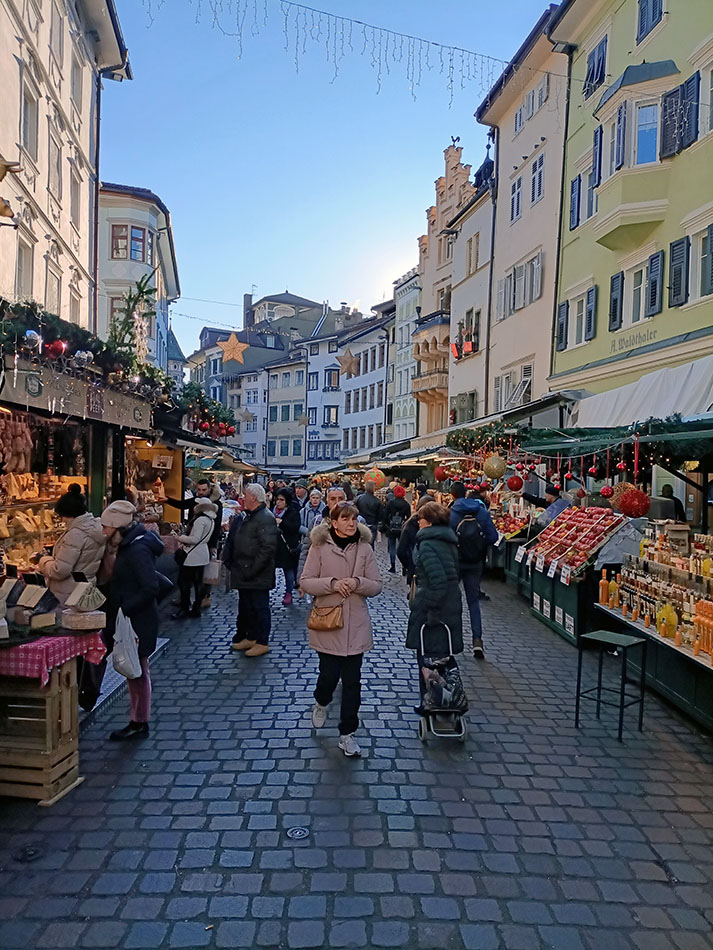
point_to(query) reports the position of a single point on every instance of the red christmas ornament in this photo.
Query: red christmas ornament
(634, 503)
(484, 485)
(55, 349)
(592, 469)
(440, 474)
(581, 493)
(569, 475)
(621, 466)
(607, 491)
(204, 426)
(231, 430)
(532, 467)
(515, 483)
(520, 467)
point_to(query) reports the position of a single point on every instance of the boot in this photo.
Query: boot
(195, 611)
(135, 730)
(180, 614)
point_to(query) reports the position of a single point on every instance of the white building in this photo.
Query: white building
(407, 290)
(364, 420)
(136, 240)
(53, 58)
(324, 402)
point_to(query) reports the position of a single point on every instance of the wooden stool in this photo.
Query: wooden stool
(604, 639)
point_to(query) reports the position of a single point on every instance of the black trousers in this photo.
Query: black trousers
(348, 670)
(254, 620)
(190, 578)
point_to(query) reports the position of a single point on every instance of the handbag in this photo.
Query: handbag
(125, 655)
(211, 572)
(326, 618)
(180, 556)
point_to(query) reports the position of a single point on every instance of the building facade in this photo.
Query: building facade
(136, 241)
(635, 289)
(407, 294)
(365, 411)
(52, 56)
(286, 402)
(526, 111)
(177, 362)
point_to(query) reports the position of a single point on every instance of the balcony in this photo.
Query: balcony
(632, 204)
(431, 383)
(432, 320)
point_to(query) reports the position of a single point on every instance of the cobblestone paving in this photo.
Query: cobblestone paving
(531, 835)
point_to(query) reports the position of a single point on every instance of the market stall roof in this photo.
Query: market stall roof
(686, 390)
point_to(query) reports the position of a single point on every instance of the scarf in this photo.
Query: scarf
(343, 543)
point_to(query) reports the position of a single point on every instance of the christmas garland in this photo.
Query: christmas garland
(205, 413)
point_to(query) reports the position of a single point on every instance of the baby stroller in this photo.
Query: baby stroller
(444, 701)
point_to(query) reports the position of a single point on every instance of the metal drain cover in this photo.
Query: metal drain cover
(297, 834)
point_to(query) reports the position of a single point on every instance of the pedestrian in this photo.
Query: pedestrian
(133, 586)
(397, 513)
(203, 490)
(406, 546)
(311, 513)
(301, 492)
(335, 494)
(287, 518)
(554, 504)
(341, 570)
(216, 496)
(194, 547)
(249, 556)
(371, 509)
(436, 601)
(79, 549)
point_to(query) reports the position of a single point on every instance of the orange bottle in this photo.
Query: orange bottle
(604, 589)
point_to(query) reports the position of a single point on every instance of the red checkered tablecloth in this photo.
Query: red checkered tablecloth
(35, 660)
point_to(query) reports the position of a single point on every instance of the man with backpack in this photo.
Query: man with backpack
(397, 513)
(476, 532)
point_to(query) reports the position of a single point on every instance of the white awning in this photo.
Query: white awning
(686, 389)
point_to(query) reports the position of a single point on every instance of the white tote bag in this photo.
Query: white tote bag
(126, 648)
(211, 572)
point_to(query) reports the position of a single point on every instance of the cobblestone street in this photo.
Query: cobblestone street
(531, 835)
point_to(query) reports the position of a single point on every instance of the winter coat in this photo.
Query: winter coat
(397, 506)
(79, 549)
(134, 586)
(437, 599)
(288, 548)
(327, 562)
(251, 548)
(310, 517)
(195, 543)
(463, 507)
(406, 546)
(371, 510)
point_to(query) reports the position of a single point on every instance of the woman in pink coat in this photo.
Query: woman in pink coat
(341, 569)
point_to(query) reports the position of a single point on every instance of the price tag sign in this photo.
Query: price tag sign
(520, 554)
(559, 617)
(569, 624)
(565, 574)
(540, 563)
(546, 609)
(552, 568)
(530, 557)
(536, 601)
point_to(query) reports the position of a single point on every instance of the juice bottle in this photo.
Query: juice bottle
(604, 589)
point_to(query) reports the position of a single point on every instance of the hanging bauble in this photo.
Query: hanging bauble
(83, 357)
(55, 349)
(495, 466)
(515, 483)
(532, 467)
(520, 467)
(634, 503)
(592, 469)
(485, 485)
(465, 465)
(569, 475)
(204, 426)
(581, 493)
(375, 477)
(231, 430)
(607, 491)
(619, 490)
(32, 339)
(440, 473)
(621, 466)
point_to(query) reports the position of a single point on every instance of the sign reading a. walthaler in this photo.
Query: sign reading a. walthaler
(620, 344)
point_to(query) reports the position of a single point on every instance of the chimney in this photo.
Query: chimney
(248, 312)
(339, 321)
(345, 306)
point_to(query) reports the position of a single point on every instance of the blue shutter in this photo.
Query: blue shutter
(620, 135)
(656, 13)
(643, 27)
(690, 95)
(670, 120)
(562, 325)
(616, 300)
(590, 314)
(574, 194)
(654, 285)
(678, 258)
(601, 65)
(589, 78)
(597, 155)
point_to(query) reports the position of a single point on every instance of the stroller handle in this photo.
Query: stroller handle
(450, 641)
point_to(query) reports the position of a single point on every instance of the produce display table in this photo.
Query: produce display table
(39, 715)
(673, 671)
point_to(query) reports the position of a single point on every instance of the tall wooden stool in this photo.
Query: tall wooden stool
(623, 642)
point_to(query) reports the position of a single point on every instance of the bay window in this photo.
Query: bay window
(647, 125)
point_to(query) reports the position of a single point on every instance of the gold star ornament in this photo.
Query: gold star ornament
(233, 349)
(349, 363)
(303, 420)
(246, 415)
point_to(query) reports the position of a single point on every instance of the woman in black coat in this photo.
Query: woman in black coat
(287, 516)
(406, 547)
(134, 588)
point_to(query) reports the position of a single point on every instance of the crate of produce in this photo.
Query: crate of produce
(574, 537)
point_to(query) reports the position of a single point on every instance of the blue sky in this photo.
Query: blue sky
(280, 179)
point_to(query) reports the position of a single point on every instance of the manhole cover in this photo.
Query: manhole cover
(297, 833)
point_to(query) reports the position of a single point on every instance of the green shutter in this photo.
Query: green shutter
(678, 261)
(562, 325)
(616, 300)
(654, 285)
(670, 120)
(597, 156)
(575, 190)
(590, 314)
(620, 135)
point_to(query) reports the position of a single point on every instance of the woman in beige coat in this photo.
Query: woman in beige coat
(341, 569)
(78, 550)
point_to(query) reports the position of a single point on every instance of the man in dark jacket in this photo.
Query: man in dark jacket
(371, 510)
(475, 535)
(249, 555)
(397, 513)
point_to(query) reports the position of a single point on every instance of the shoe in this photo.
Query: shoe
(195, 612)
(206, 601)
(319, 715)
(478, 651)
(419, 710)
(135, 730)
(392, 569)
(243, 644)
(287, 599)
(179, 615)
(483, 596)
(260, 649)
(349, 745)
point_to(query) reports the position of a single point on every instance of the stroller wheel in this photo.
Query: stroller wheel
(422, 728)
(462, 725)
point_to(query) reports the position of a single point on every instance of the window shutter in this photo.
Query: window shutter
(500, 306)
(707, 275)
(597, 155)
(670, 119)
(656, 12)
(690, 93)
(562, 325)
(497, 394)
(643, 27)
(678, 258)
(590, 319)
(589, 78)
(620, 135)
(536, 289)
(519, 286)
(654, 286)
(616, 300)
(574, 193)
(601, 62)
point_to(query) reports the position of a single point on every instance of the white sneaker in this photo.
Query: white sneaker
(319, 715)
(349, 745)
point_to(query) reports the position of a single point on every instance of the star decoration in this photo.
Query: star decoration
(246, 415)
(303, 420)
(233, 349)
(349, 363)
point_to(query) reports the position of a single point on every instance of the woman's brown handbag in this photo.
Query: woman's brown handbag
(326, 618)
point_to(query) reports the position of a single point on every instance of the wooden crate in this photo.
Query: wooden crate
(39, 736)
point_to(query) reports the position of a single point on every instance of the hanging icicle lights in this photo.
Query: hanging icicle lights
(387, 50)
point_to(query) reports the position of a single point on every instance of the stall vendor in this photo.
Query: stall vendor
(553, 503)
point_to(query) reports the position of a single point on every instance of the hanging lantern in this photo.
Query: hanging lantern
(634, 503)
(495, 466)
(607, 491)
(515, 483)
(440, 473)
(375, 477)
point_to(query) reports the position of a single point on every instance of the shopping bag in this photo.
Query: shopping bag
(211, 572)
(125, 655)
(444, 690)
